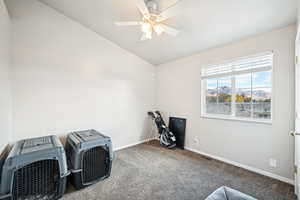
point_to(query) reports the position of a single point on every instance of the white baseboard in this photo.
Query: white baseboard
(133, 144)
(253, 169)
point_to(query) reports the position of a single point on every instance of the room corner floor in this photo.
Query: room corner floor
(149, 172)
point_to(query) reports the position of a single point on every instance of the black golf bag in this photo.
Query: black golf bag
(166, 137)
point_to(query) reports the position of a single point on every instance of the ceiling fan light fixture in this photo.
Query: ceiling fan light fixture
(148, 35)
(146, 27)
(158, 29)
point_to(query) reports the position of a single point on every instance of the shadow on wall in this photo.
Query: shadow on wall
(148, 131)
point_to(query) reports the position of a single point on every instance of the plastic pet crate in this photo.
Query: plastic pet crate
(90, 157)
(34, 169)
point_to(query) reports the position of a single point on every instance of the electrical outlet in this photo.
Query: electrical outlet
(196, 141)
(273, 162)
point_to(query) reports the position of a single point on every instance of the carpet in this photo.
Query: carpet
(148, 172)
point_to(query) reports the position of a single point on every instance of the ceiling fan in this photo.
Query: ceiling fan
(153, 20)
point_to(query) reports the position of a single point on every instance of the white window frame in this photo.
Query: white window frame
(233, 106)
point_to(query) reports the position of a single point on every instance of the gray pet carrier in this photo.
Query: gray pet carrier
(90, 157)
(34, 169)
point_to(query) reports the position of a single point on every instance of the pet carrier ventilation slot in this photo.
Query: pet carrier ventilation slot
(90, 156)
(35, 169)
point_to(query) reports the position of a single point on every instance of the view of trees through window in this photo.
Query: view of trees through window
(244, 95)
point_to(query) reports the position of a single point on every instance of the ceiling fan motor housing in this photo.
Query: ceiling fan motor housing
(152, 5)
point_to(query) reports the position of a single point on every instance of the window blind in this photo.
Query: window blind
(262, 62)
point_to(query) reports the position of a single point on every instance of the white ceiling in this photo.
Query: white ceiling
(203, 23)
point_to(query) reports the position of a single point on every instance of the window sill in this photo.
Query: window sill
(225, 117)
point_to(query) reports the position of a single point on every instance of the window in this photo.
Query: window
(240, 89)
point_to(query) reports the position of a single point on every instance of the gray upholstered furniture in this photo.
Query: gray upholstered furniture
(226, 193)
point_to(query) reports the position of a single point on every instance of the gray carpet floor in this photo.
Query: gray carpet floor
(149, 172)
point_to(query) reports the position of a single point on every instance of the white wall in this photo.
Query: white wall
(66, 77)
(298, 18)
(5, 93)
(250, 144)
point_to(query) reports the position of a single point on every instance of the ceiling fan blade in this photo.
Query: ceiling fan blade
(128, 23)
(170, 12)
(143, 7)
(169, 30)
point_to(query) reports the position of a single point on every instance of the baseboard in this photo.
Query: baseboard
(253, 169)
(133, 144)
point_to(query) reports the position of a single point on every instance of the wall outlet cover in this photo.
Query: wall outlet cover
(196, 140)
(273, 162)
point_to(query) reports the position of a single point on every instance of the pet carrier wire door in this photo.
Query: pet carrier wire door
(90, 156)
(35, 169)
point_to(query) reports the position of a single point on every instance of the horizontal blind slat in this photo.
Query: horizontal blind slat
(243, 65)
(262, 69)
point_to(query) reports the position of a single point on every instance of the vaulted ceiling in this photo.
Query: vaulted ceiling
(203, 23)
